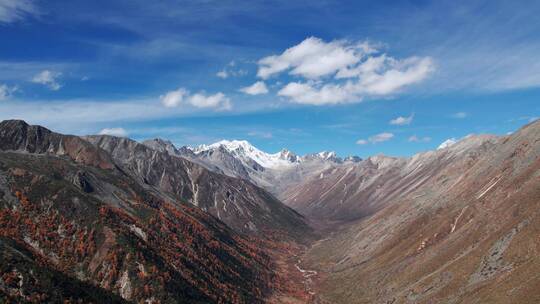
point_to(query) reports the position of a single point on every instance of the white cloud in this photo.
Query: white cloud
(174, 98)
(217, 101)
(415, 138)
(381, 137)
(460, 115)
(313, 58)
(257, 88)
(370, 65)
(397, 75)
(308, 93)
(120, 132)
(13, 10)
(49, 79)
(226, 73)
(358, 70)
(182, 96)
(401, 120)
(447, 143)
(222, 74)
(6, 91)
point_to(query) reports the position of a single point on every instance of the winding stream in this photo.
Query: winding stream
(307, 274)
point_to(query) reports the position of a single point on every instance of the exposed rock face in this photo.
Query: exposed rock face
(17, 135)
(82, 181)
(456, 225)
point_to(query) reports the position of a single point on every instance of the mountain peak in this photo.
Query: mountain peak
(327, 155)
(229, 145)
(244, 150)
(162, 145)
(288, 155)
(381, 160)
(14, 123)
(324, 156)
(352, 158)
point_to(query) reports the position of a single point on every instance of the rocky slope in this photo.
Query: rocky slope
(82, 223)
(457, 225)
(237, 202)
(360, 189)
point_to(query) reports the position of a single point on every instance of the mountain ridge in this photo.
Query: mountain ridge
(110, 232)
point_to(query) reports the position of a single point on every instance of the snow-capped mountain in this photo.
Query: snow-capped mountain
(283, 158)
(244, 150)
(239, 158)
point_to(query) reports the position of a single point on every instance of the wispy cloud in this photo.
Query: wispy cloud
(402, 120)
(6, 91)
(501, 52)
(223, 74)
(80, 116)
(49, 79)
(381, 137)
(231, 70)
(27, 70)
(120, 132)
(417, 139)
(460, 115)
(14, 10)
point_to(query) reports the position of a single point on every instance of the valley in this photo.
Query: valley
(228, 223)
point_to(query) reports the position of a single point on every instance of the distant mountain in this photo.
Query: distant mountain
(104, 219)
(243, 150)
(238, 158)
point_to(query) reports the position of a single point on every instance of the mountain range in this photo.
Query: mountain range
(238, 158)
(106, 219)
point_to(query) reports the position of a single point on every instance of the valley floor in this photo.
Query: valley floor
(300, 284)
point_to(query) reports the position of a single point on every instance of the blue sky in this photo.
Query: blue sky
(356, 77)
